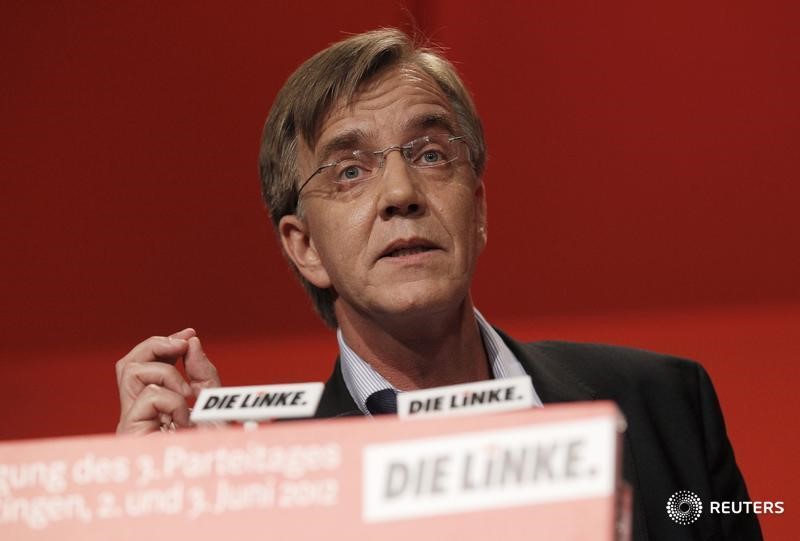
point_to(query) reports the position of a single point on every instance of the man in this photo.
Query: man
(371, 165)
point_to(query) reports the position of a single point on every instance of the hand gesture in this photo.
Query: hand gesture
(152, 392)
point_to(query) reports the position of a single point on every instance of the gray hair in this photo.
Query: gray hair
(338, 73)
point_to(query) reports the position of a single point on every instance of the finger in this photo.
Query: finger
(136, 376)
(144, 415)
(155, 348)
(185, 334)
(199, 370)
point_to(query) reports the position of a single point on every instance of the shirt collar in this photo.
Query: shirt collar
(362, 380)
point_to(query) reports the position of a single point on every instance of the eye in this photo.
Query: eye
(431, 157)
(351, 172)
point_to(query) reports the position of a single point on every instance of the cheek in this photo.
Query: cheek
(342, 236)
(468, 236)
(458, 214)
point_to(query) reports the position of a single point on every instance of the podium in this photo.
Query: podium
(551, 473)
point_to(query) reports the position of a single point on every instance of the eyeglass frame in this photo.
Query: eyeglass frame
(384, 152)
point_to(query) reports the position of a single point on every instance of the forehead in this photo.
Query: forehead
(397, 103)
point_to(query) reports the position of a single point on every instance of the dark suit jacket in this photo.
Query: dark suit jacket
(675, 440)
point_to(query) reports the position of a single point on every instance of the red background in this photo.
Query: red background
(642, 179)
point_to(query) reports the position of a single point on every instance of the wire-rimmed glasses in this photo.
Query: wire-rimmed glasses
(431, 154)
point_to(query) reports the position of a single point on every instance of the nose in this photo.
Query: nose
(400, 190)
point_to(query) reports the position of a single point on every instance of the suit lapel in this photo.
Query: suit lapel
(556, 382)
(552, 380)
(336, 400)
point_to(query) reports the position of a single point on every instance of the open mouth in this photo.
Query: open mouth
(405, 248)
(400, 252)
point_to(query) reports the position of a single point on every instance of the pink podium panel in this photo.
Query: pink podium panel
(550, 473)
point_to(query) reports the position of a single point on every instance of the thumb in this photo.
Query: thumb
(199, 370)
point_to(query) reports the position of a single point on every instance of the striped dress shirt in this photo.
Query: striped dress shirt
(362, 380)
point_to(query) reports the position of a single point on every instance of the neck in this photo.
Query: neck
(420, 352)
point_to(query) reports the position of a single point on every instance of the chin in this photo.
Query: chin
(412, 300)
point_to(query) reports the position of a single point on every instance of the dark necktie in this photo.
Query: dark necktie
(383, 401)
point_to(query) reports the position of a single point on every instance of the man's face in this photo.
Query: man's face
(398, 244)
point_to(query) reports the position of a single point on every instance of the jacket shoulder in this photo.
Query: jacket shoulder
(608, 369)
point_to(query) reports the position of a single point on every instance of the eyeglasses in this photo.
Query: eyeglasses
(433, 155)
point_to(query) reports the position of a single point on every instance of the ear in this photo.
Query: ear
(301, 250)
(480, 206)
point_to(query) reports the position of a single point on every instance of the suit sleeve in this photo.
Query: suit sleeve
(726, 480)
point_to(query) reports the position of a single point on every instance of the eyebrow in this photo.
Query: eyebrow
(349, 140)
(430, 120)
(356, 138)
